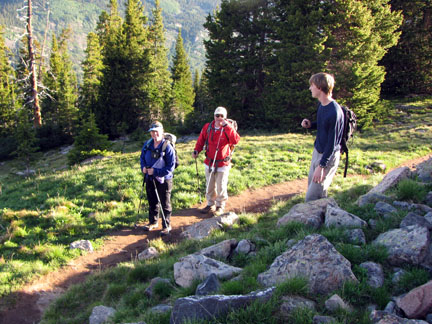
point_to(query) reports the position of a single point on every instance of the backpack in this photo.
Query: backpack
(350, 126)
(169, 139)
(232, 147)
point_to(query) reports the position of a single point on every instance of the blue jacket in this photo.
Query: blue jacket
(165, 164)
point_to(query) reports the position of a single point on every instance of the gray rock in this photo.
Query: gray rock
(334, 303)
(377, 167)
(161, 309)
(384, 209)
(319, 319)
(203, 229)
(221, 250)
(428, 199)
(415, 219)
(209, 286)
(198, 267)
(84, 245)
(375, 274)
(428, 217)
(424, 171)
(405, 245)
(390, 307)
(398, 274)
(338, 217)
(356, 236)
(313, 258)
(291, 303)
(245, 247)
(372, 223)
(381, 317)
(427, 262)
(149, 253)
(402, 204)
(310, 213)
(372, 198)
(100, 314)
(208, 307)
(391, 179)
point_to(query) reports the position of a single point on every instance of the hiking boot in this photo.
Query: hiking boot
(219, 211)
(150, 226)
(165, 231)
(207, 209)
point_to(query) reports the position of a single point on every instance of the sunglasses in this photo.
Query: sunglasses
(219, 116)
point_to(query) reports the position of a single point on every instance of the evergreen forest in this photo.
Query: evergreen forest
(259, 54)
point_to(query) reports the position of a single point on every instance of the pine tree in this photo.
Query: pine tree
(8, 99)
(60, 107)
(238, 53)
(183, 94)
(92, 68)
(124, 96)
(88, 142)
(408, 65)
(159, 88)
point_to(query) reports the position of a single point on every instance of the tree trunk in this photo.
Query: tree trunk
(32, 67)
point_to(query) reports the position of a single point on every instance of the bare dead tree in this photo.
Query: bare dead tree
(43, 45)
(32, 68)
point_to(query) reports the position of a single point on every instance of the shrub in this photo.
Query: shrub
(88, 143)
(409, 189)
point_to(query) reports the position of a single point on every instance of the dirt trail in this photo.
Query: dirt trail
(124, 245)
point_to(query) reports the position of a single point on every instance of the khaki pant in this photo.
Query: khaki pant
(319, 190)
(217, 192)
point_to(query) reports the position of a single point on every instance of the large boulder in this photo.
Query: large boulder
(405, 245)
(381, 317)
(314, 258)
(198, 267)
(221, 250)
(198, 308)
(391, 179)
(203, 229)
(418, 302)
(338, 217)
(310, 213)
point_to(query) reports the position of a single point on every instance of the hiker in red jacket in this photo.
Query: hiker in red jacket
(218, 138)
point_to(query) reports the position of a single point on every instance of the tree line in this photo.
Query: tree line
(259, 57)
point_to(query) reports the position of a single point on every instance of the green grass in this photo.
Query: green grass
(40, 216)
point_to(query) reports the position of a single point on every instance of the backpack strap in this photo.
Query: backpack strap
(346, 164)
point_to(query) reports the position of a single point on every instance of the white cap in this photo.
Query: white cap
(156, 126)
(221, 111)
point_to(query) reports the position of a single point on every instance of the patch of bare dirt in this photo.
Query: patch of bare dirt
(124, 245)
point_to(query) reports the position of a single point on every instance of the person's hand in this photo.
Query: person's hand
(195, 154)
(306, 123)
(319, 174)
(150, 171)
(144, 170)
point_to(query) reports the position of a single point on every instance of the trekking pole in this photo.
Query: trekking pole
(139, 206)
(199, 189)
(160, 205)
(214, 160)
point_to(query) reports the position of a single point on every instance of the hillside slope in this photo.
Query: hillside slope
(82, 16)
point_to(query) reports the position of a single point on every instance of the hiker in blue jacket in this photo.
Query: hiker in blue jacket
(329, 125)
(157, 165)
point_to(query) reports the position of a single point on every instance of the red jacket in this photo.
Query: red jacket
(228, 138)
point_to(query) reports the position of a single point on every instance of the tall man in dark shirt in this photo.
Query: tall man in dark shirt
(329, 125)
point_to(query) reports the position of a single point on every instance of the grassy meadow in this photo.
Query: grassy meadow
(42, 214)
